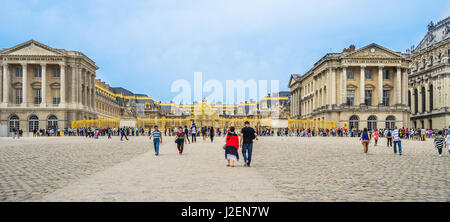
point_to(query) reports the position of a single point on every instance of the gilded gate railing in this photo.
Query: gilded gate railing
(200, 121)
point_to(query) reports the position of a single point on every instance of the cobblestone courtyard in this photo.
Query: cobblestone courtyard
(283, 169)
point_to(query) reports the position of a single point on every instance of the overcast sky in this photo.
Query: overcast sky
(144, 46)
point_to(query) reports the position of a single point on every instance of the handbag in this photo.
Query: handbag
(224, 145)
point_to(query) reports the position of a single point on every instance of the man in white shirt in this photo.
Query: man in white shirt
(397, 141)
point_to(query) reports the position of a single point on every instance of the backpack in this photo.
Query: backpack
(389, 134)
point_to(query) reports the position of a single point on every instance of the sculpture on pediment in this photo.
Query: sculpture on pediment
(431, 26)
(447, 29)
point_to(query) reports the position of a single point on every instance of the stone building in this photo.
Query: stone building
(44, 87)
(429, 78)
(358, 88)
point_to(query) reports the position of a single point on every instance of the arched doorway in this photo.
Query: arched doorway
(354, 122)
(390, 122)
(14, 123)
(372, 123)
(33, 123)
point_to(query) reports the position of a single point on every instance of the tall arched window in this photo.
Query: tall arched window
(372, 123)
(431, 97)
(354, 122)
(390, 122)
(416, 101)
(33, 123)
(52, 122)
(423, 100)
(14, 123)
(409, 99)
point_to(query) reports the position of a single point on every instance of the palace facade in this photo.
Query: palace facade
(429, 78)
(358, 88)
(44, 87)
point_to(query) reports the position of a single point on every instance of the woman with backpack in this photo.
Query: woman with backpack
(231, 147)
(365, 138)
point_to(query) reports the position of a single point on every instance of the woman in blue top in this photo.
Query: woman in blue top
(365, 138)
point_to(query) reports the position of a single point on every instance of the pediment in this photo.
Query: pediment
(387, 87)
(36, 85)
(373, 51)
(351, 87)
(32, 48)
(55, 85)
(369, 87)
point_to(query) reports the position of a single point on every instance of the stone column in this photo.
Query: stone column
(344, 85)
(362, 85)
(74, 85)
(94, 107)
(24, 84)
(427, 97)
(1, 82)
(399, 85)
(5, 83)
(63, 83)
(80, 86)
(44, 85)
(88, 89)
(405, 87)
(380, 85)
(85, 90)
(333, 86)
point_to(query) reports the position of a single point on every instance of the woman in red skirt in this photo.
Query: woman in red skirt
(231, 147)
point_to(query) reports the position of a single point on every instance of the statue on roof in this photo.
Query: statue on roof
(431, 26)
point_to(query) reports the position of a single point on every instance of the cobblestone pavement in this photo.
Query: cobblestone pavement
(283, 169)
(32, 167)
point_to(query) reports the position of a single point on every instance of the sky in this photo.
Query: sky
(145, 46)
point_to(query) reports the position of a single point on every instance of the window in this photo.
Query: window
(56, 72)
(14, 123)
(19, 72)
(431, 99)
(386, 96)
(409, 99)
(37, 96)
(38, 72)
(56, 98)
(416, 101)
(385, 74)
(368, 98)
(372, 123)
(390, 122)
(354, 123)
(33, 123)
(52, 122)
(19, 98)
(423, 100)
(350, 74)
(350, 97)
(368, 73)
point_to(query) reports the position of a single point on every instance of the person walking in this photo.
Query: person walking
(248, 134)
(204, 133)
(447, 142)
(439, 142)
(365, 138)
(123, 133)
(389, 137)
(180, 136)
(157, 139)
(397, 141)
(211, 133)
(376, 137)
(194, 133)
(186, 131)
(231, 147)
